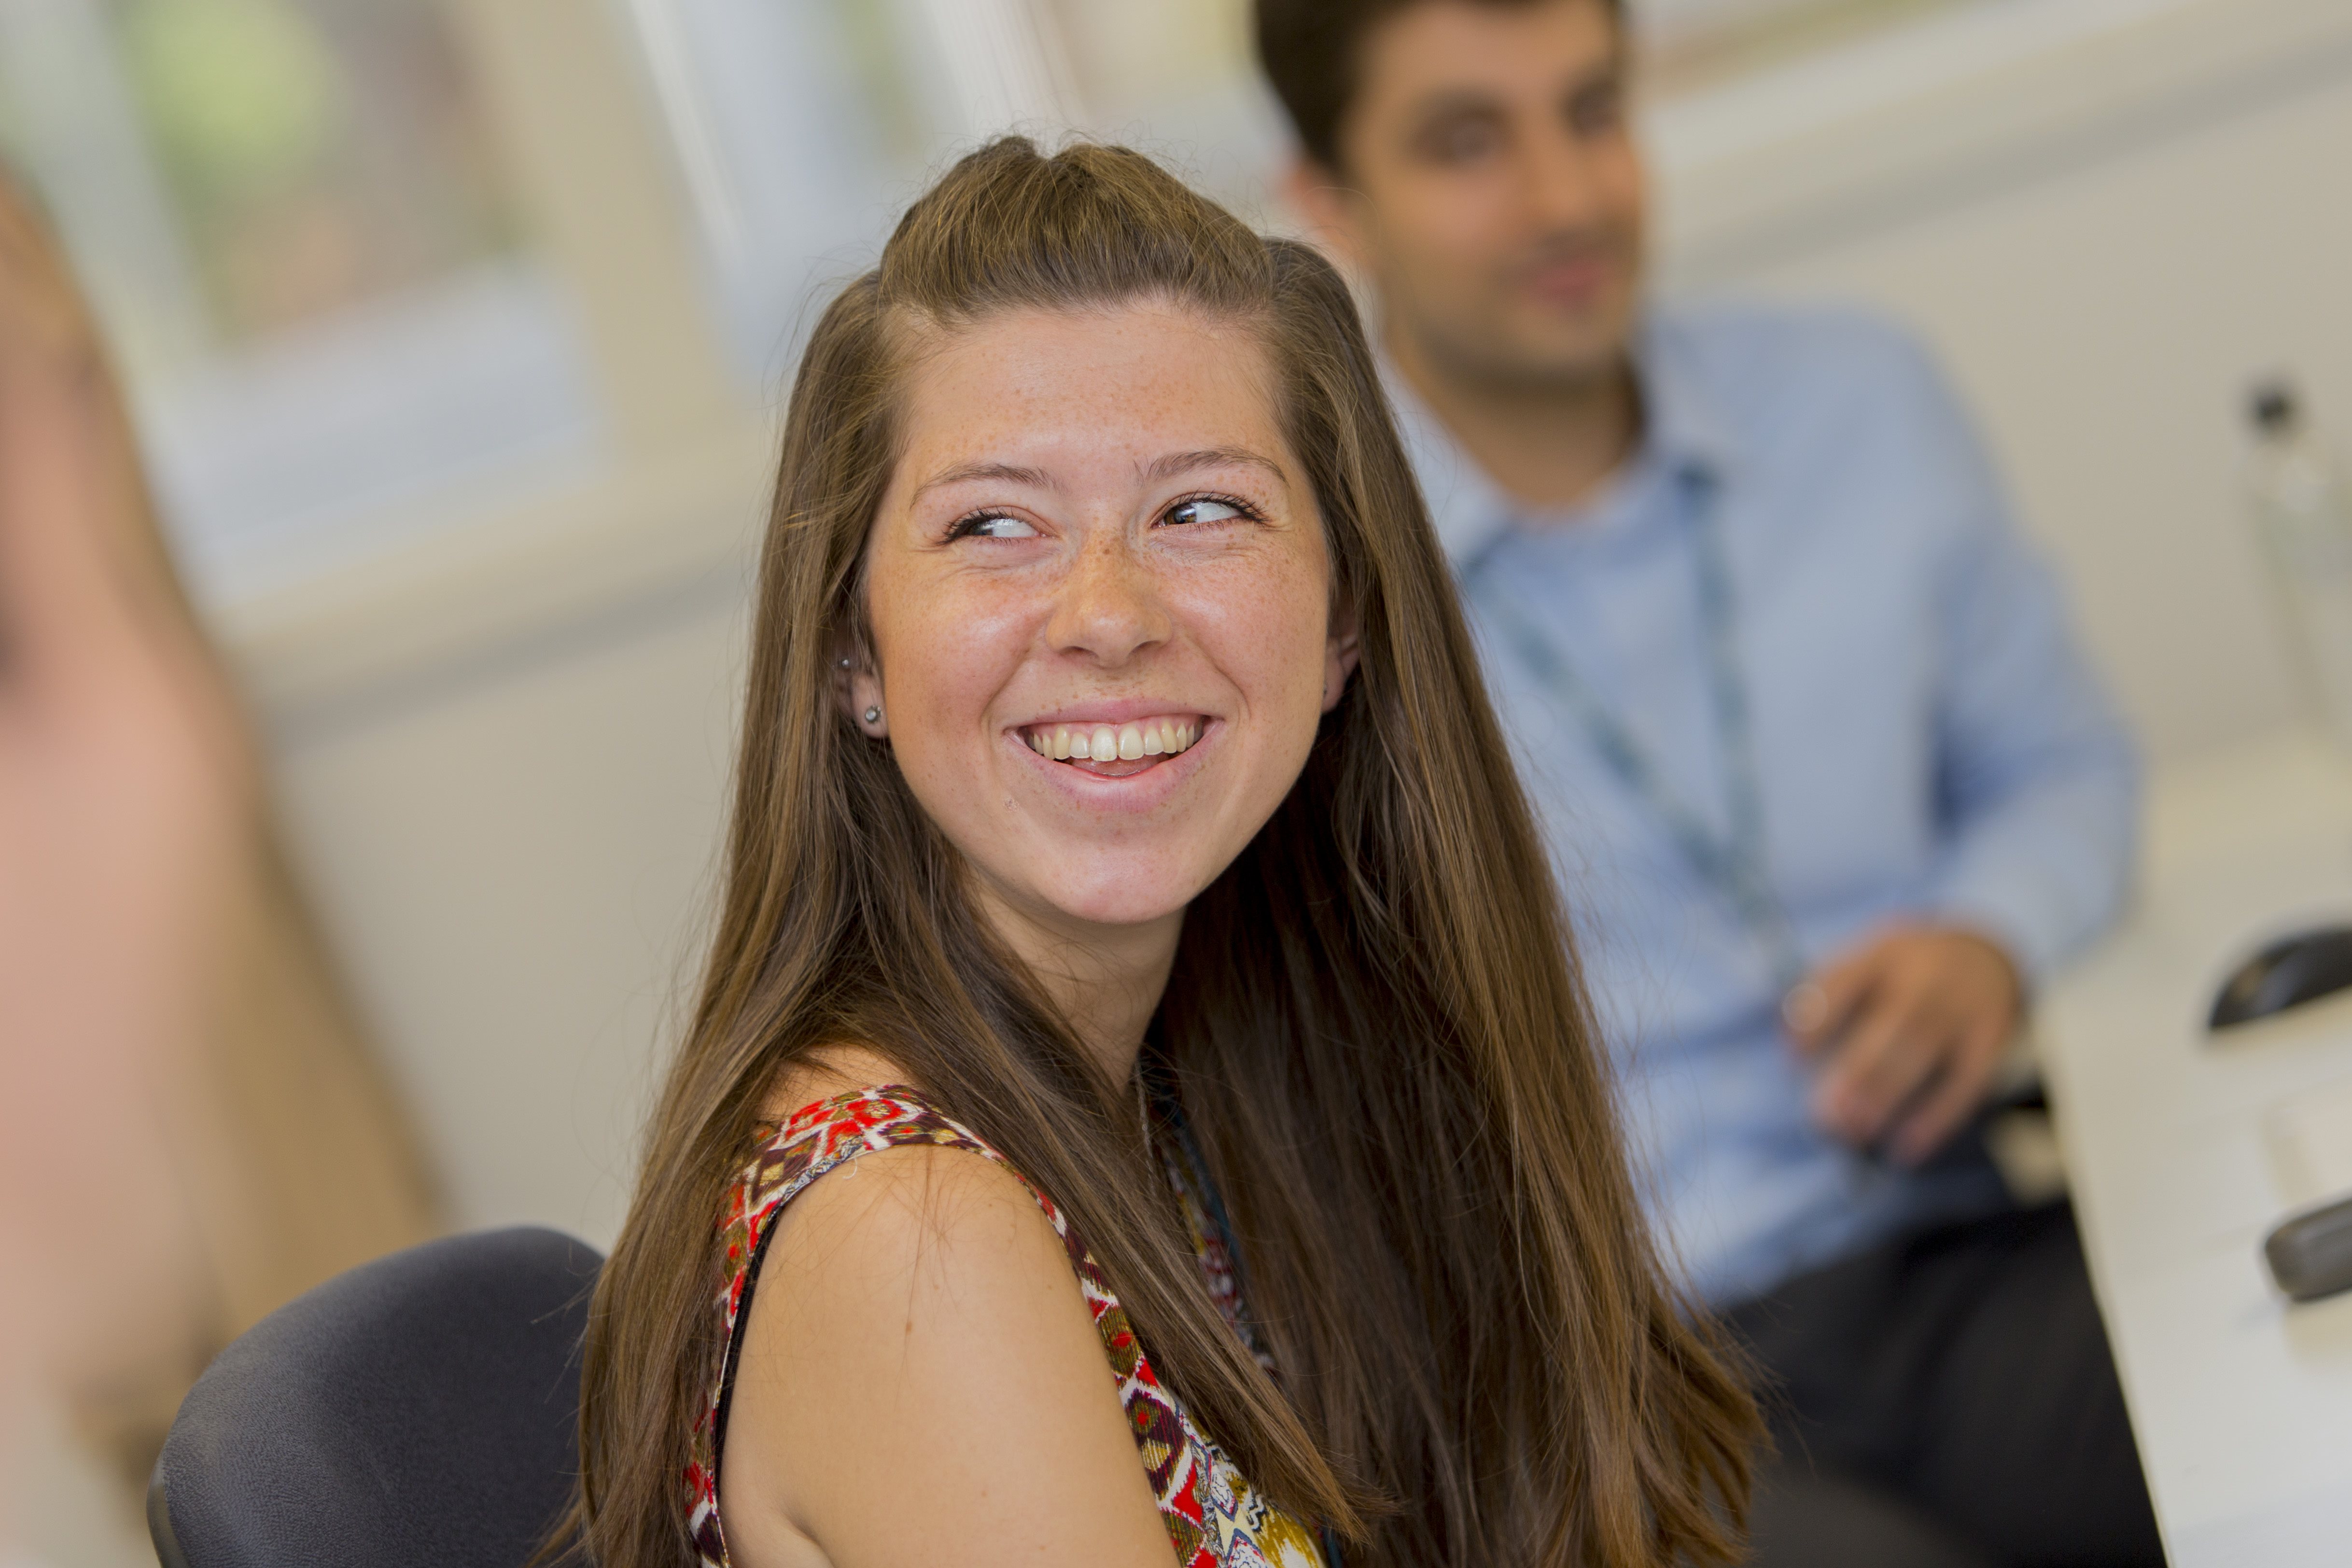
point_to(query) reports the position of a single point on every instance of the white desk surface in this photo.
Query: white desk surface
(2241, 1402)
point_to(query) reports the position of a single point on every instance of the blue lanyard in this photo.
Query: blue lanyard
(1734, 863)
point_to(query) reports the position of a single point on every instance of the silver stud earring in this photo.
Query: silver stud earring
(874, 715)
(845, 661)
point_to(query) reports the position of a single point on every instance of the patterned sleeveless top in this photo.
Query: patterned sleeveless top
(1213, 1517)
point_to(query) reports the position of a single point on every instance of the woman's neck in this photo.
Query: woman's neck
(1107, 980)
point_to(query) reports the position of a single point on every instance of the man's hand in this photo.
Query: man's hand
(1907, 1028)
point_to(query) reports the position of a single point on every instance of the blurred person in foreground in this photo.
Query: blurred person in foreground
(191, 1131)
(120, 784)
(1830, 782)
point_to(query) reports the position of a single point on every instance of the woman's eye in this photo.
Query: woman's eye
(1203, 510)
(994, 527)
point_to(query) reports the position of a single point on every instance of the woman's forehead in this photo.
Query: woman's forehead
(1135, 387)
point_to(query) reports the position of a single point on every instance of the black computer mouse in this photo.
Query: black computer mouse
(2287, 973)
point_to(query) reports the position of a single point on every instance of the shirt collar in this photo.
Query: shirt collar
(1684, 433)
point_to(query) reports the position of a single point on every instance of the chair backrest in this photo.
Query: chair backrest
(418, 1411)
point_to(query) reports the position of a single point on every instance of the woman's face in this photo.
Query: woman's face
(1100, 603)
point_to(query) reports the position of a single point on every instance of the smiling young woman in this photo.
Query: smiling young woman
(1136, 1078)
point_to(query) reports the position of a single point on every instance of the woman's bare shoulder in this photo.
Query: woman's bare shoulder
(921, 1379)
(824, 1072)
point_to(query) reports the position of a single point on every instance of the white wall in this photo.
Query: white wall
(503, 754)
(511, 852)
(2105, 249)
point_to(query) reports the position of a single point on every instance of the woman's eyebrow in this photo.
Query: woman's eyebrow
(1011, 473)
(1160, 468)
(1176, 463)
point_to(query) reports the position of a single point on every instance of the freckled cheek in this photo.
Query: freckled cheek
(946, 653)
(1266, 630)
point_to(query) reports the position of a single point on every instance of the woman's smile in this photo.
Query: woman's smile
(1110, 747)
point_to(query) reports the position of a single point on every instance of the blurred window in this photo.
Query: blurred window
(291, 216)
(803, 126)
(1179, 78)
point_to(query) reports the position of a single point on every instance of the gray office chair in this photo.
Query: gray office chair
(414, 1413)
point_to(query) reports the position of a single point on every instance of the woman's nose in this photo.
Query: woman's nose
(1108, 607)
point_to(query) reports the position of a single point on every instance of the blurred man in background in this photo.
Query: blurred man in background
(192, 1130)
(1828, 781)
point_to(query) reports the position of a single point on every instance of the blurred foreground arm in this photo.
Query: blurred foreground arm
(153, 947)
(121, 780)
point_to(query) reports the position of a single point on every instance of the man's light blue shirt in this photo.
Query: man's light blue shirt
(1928, 740)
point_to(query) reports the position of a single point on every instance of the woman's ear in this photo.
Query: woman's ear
(1339, 657)
(857, 687)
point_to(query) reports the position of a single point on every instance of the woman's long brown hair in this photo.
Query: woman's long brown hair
(1374, 1026)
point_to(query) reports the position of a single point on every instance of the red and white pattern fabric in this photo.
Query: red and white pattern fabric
(1215, 1518)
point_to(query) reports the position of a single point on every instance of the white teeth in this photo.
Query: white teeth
(1103, 742)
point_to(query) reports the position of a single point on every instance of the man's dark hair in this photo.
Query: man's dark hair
(1311, 48)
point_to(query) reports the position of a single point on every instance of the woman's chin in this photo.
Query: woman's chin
(1112, 896)
(1116, 908)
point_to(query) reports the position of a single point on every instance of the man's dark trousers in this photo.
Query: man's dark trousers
(1946, 1400)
